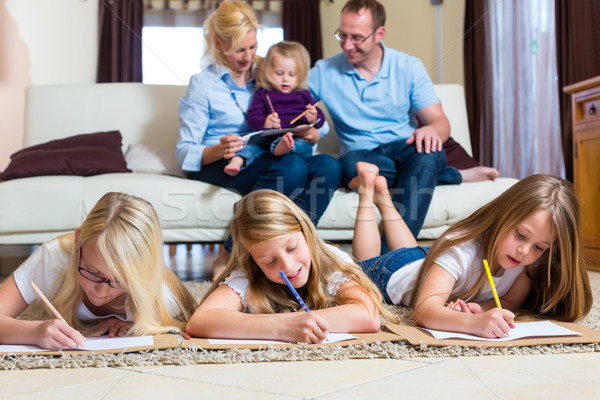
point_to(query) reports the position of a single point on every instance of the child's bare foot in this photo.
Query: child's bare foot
(480, 173)
(235, 166)
(366, 176)
(285, 144)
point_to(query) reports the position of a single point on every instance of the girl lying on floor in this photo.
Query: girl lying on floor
(531, 235)
(272, 235)
(109, 276)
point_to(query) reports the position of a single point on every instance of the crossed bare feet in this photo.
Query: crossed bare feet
(369, 182)
(235, 166)
(285, 144)
(479, 173)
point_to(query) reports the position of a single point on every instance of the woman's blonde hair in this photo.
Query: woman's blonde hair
(231, 22)
(265, 215)
(293, 50)
(560, 284)
(127, 232)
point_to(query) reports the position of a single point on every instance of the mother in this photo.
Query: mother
(213, 115)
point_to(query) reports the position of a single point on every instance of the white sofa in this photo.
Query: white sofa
(35, 209)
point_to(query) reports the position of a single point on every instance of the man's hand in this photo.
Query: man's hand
(426, 139)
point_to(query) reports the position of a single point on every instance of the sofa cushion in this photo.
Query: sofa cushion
(153, 160)
(85, 155)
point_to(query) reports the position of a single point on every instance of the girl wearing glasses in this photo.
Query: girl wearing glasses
(108, 277)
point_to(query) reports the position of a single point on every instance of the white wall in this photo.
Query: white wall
(43, 42)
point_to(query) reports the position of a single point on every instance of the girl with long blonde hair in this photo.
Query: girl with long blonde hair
(108, 277)
(530, 234)
(251, 300)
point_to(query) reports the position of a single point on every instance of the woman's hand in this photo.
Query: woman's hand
(303, 327)
(56, 334)
(272, 121)
(311, 135)
(114, 326)
(495, 323)
(230, 144)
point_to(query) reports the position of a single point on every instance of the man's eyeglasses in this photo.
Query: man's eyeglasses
(90, 276)
(355, 39)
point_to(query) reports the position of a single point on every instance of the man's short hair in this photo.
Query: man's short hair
(376, 8)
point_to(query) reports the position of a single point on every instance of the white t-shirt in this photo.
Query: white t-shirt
(45, 268)
(464, 263)
(238, 281)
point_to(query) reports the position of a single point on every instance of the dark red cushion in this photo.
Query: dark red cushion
(457, 156)
(85, 155)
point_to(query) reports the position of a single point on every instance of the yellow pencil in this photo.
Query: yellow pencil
(489, 275)
(47, 302)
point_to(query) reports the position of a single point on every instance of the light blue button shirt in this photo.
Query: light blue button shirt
(209, 111)
(368, 114)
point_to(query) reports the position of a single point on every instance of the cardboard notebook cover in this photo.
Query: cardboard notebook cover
(165, 341)
(367, 338)
(417, 337)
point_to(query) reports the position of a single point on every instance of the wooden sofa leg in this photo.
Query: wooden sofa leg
(172, 249)
(188, 246)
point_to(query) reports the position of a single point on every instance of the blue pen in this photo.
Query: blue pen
(294, 291)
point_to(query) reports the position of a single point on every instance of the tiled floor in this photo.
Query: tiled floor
(555, 376)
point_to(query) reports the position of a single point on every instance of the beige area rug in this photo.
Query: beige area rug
(195, 355)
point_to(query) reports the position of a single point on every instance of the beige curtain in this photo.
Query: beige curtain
(526, 123)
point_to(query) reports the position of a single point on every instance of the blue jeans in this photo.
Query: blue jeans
(310, 182)
(258, 145)
(381, 268)
(411, 176)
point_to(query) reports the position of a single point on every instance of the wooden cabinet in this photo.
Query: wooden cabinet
(586, 161)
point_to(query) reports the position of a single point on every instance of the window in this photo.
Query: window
(171, 55)
(173, 39)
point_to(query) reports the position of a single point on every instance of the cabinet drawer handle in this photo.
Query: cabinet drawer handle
(592, 110)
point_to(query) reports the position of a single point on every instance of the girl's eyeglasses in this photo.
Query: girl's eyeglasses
(90, 276)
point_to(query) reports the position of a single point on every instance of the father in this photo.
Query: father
(375, 117)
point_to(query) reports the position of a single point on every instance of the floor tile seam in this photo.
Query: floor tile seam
(69, 386)
(479, 378)
(371, 380)
(539, 375)
(221, 384)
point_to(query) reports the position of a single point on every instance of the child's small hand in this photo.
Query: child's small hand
(56, 334)
(461, 306)
(311, 115)
(272, 122)
(494, 323)
(113, 326)
(304, 327)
